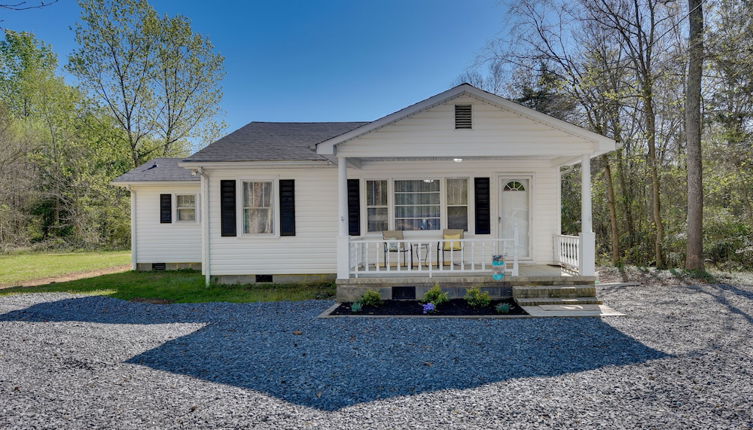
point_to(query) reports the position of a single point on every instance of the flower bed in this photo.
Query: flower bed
(454, 307)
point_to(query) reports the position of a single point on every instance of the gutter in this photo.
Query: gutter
(134, 253)
(205, 236)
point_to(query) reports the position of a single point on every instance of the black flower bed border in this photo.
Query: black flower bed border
(413, 308)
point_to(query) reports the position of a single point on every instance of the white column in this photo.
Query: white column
(343, 257)
(587, 246)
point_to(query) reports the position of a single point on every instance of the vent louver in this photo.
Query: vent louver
(463, 118)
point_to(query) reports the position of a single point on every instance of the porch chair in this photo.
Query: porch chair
(396, 247)
(448, 245)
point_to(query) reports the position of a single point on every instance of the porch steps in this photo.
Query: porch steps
(577, 300)
(558, 301)
(553, 291)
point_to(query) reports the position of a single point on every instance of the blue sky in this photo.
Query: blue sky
(316, 60)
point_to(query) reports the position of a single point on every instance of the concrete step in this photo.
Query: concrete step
(558, 301)
(553, 291)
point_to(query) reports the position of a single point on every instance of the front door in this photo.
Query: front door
(514, 212)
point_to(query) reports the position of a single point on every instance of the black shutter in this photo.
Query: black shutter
(354, 207)
(227, 208)
(481, 194)
(287, 207)
(165, 208)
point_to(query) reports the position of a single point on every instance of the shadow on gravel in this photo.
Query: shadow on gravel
(283, 350)
(717, 292)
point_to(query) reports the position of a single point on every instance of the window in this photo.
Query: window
(463, 117)
(185, 207)
(417, 204)
(514, 186)
(258, 212)
(376, 206)
(457, 204)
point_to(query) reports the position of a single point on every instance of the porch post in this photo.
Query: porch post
(343, 257)
(587, 248)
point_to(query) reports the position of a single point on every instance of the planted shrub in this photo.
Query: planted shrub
(477, 298)
(503, 308)
(429, 307)
(356, 307)
(371, 298)
(436, 296)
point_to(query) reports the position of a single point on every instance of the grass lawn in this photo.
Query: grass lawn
(15, 268)
(180, 287)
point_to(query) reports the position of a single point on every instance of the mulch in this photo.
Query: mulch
(455, 307)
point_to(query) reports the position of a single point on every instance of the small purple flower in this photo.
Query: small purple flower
(429, 307)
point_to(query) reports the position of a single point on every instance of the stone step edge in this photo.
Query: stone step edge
(534, 301)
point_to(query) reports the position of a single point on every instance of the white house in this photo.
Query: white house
(286, 201)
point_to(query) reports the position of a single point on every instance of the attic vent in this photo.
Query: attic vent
(463, 116)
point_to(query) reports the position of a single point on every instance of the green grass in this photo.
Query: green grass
(16, 268)
(180, 287)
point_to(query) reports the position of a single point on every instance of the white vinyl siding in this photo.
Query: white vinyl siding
(495, 133)
(313, 248)
(177, 242)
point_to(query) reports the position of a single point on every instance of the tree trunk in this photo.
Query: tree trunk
(654, 172)
(694, 260)
(615, 234)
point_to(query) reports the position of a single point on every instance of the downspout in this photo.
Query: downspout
(134, 257)
(205, 260)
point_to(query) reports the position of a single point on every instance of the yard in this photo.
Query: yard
(23, 267)
(679, 359)
(178, 287)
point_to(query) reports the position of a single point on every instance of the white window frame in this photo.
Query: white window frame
(197, 210)
(442, 202)
(468, 199)
(365, 204)
(275, 207)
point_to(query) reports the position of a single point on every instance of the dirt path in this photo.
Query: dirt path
(69, 277)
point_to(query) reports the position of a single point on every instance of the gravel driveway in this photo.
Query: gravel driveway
(680, 359)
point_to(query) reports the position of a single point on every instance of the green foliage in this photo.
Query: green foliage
(503, 308)
(477, 298)
(371, 298)
(148, 87)
(157, 78)
(435, 295)
(356, 307)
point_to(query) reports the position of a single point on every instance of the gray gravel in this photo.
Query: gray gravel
(680, 359)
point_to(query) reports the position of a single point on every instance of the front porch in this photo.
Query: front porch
(393, 285)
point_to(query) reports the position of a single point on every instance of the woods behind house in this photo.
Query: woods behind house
(148, 87)
(621, 68)
(675, 96)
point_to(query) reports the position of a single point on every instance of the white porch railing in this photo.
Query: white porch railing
(567, 251)
(429, 256)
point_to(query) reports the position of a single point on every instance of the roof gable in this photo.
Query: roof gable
(602, 143)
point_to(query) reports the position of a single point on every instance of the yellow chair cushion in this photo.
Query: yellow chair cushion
(452, 246)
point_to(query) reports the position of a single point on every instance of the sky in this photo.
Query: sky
(334, 60)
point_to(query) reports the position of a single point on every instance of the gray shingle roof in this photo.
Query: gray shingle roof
(274, 141)
(157, 170)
